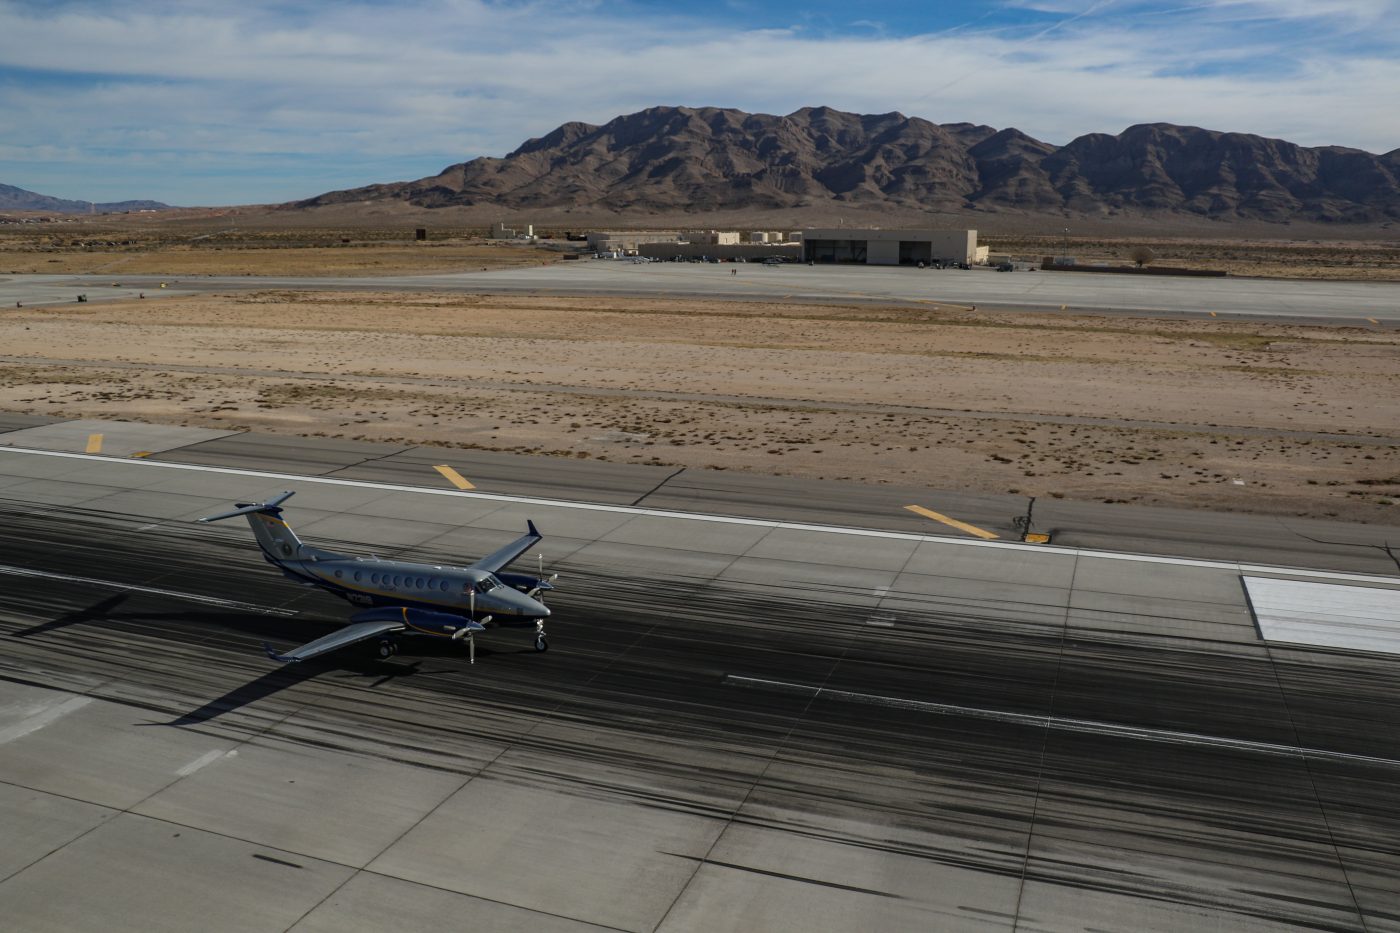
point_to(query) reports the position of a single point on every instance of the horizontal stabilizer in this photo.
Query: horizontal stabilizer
(244, 508)
(498, 559)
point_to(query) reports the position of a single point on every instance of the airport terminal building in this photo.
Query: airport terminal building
(889, 247)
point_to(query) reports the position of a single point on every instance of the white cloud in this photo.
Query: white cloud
(358, 87)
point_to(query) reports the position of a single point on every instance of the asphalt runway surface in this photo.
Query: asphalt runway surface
(1362, 304)
(741, 725)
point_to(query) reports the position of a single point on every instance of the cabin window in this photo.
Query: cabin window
(443, 585)
(337, 574)
(422, 583)
(357, 576)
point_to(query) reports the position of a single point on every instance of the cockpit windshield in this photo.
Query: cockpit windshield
(487, 584)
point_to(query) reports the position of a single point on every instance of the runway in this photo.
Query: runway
(742, 724)
(1362, 304)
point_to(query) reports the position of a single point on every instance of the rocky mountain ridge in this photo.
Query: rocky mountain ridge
(18, 199)
(667, 159)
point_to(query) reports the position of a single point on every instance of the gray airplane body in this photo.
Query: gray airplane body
(400, 598)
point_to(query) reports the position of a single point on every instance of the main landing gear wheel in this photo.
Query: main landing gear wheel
(541, 644)
(387, 649)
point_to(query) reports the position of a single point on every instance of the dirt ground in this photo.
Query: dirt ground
(77, 250)
(1226, 416)
(1331, 260)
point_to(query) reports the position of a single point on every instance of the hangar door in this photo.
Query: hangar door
(913, 252)
(834, 250)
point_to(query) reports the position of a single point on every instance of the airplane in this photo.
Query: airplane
(401, 597)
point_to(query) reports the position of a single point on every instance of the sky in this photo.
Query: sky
(208, 102)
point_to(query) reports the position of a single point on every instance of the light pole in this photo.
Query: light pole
(1066, 252)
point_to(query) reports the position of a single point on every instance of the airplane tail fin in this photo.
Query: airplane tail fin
(275, 536)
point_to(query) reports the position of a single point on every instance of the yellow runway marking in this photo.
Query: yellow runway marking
(1373, 320)
(453, 477)
(1211, 313)
(1036, 538)
(142, 454)
(961, 526)
(94, 445)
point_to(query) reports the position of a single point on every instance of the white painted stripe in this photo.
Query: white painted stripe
(717, 519)
(1356, 618)
(208, 758)
(154, 591)
(1060, 724)
(42, 718)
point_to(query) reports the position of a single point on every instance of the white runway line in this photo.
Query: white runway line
(1058, 724)
(202, 761)
(41, 718)
(154, 591)
(717, 519)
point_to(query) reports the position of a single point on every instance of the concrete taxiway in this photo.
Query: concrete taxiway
(1070, 523)
(743, 723)
(1364, 304)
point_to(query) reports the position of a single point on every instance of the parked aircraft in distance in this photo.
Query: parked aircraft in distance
(402, 598)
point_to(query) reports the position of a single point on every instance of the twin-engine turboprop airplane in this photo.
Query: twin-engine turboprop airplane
(402, 597)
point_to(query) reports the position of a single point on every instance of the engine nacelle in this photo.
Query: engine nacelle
(423, 620)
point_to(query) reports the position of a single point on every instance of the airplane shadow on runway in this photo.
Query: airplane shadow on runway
(353, 664)
(98, 610)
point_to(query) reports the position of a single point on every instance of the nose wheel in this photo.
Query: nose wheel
(387, 649)
(541, 643)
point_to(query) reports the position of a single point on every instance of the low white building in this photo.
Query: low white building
(713, 237)
(627, 241)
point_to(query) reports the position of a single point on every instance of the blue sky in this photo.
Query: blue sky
(211, 102)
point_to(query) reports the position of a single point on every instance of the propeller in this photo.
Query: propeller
(471, 628)
(541, 582)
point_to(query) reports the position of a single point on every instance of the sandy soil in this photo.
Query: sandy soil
(234, 253)
(1093, 408)
(1360, 260)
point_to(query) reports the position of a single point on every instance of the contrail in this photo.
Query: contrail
(1093, 8)
(1065, 22)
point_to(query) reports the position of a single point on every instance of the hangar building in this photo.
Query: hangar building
(627, 241)
(889, 247)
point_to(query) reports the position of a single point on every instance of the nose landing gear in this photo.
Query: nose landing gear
(387, 648)
(541, 643)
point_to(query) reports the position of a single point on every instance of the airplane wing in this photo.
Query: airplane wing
(351, 634)
(498, 559)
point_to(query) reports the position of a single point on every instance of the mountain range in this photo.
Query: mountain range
(670, 159)
(18, 199)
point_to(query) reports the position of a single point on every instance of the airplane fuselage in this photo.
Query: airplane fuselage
(373, 582)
